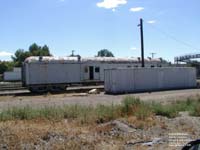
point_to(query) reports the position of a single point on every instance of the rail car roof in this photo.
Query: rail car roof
(50, 59)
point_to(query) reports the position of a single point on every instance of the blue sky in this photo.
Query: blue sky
(171, 27)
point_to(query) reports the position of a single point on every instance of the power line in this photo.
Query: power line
(173, 37)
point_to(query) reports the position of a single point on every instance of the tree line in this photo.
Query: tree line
(21, 55)
(36, 50)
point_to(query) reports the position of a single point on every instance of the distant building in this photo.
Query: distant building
(14, 75)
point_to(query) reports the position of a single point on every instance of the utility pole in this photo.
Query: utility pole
(142, 41)
(152, 55)
(72, 52)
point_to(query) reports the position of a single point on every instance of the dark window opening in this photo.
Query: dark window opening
(152, 66)
(97, 69)
(86, 69)
(91, 69)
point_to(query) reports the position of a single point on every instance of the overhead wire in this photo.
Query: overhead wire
(173, 37)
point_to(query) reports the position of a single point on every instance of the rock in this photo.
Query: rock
(53, 136)
(133, 142)
(184, 114)
(123, 127)
(94, 91)
(80, 94)
(4, 147)
(148, 143)
(154, 141)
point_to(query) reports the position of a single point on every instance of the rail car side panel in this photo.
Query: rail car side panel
(52, 73)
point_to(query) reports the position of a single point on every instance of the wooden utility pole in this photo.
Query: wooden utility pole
(142, 41)
(152, 55)
(72, 52)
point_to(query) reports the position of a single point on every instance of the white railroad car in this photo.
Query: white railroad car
(148, 79)
(41, 74)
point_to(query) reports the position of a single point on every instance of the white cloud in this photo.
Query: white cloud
(111, 4)
(133, 48)
(113, 9)
(136, 9)
(151, 21)
(4, 53)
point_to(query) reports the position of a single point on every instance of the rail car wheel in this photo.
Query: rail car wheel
(58, 88)
(41, 89)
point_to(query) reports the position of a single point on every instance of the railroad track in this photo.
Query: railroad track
(25, 92)
(6, 86)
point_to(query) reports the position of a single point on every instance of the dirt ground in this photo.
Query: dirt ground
(86, 99)
(155, 132)
(122, 134)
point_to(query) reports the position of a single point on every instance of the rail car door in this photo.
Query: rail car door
(91, 72)
(97, 73)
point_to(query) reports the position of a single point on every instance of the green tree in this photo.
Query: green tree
(45, 51)
(20, 56)
(34, 50)
(3, 67)
(6, 66)
(105, 53)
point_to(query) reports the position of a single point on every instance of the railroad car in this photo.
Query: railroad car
(41, 74)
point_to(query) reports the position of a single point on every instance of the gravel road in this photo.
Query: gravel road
(85, 99)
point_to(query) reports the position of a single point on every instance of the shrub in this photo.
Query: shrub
(130, 106)
(164, 110)
(133, 106)
(107, 113)
(196, 110)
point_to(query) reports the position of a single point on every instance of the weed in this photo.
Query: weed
(196, 110)
(130, 106)
(133, 106)
(164, 110)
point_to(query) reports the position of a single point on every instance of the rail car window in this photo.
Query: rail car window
(86, 69)
(97, 69)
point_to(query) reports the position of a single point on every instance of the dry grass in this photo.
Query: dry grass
(84, 114)
(32, 131)
(142, 124)
(130, 106)
(46, 134)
